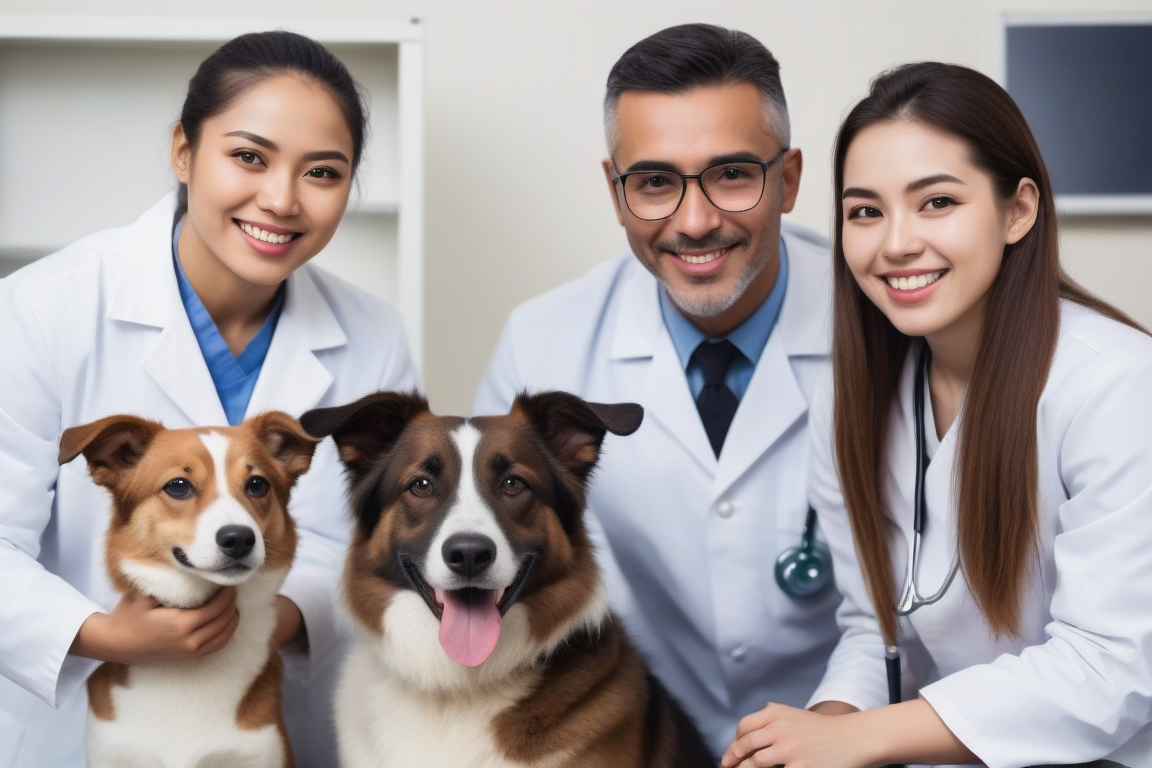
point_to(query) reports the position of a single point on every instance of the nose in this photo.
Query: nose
(901, 239)
(469, 554)
(696, 216)
(236, 541)
(278, 194)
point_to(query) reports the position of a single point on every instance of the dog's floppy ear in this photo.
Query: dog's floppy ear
(286, 441)
(366, 429)
(112, 446)
(574, 429)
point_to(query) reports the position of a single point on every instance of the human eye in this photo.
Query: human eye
(734, 173)
(652, 183)
(248, 157)
(864, 212)
(938, 203)
(323, 172)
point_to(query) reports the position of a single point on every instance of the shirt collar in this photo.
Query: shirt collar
(252, 357)
(749, 337)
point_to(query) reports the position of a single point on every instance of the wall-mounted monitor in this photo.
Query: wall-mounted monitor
(1086, 88)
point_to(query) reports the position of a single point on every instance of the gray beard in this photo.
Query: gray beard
(711, 306)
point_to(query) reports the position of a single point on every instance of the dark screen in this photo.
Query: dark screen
(1087, 94)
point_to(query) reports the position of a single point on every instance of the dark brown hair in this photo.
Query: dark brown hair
(997, 472)
(246, 61)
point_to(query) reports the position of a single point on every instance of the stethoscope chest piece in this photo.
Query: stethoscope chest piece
(805, 571)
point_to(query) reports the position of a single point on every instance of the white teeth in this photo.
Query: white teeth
(701, 259)
(915, 281)
(267, 237)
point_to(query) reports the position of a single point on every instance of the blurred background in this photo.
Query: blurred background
(514, 201)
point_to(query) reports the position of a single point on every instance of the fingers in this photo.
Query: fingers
(222, 638)
(746, 745)
(214, 633)
(756, 720)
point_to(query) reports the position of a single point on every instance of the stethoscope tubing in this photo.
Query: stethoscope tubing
(910, 597)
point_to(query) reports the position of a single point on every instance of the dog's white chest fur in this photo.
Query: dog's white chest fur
(388, 725)
(403, 703)
(184, 715)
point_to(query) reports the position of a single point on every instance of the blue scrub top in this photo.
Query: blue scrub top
(750, 337)
(234, 375)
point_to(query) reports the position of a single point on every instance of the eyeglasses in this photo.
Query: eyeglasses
(731, 187)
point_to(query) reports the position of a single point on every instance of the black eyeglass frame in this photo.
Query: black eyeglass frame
(686, 177)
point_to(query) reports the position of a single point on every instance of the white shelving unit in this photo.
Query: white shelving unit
(87, 105)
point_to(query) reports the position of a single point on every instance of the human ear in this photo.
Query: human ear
(606, 164)
(1022, 211)
(180, 154)
(793, 165)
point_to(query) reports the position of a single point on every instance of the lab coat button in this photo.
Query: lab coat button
(738, 653)
(725, 509)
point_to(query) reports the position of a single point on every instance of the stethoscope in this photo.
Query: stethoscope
(910, 597)
(805, 572)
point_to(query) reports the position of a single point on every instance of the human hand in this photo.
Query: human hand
(291, 633)
(140, 630)
(795, 738)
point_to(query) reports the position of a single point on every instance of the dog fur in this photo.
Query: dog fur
(173, 491)
(560, 686)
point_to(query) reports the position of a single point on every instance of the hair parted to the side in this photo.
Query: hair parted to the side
(246, 61)
(689, 56)
(997, 473)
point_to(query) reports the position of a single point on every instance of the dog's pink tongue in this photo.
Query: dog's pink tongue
(470, 625)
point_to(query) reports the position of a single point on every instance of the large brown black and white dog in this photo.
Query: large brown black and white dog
(194, 510)
(485, 639)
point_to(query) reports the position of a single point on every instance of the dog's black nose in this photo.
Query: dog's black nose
(469, 554)
(235, 540)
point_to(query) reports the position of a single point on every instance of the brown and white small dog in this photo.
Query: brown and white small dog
(485, 639)
(194, 510)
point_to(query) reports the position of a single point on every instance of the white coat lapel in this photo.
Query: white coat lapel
(640, 333)
(293, 379)
(774, 400)
(146, 294)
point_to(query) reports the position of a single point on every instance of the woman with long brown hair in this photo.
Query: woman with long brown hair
(983, 468)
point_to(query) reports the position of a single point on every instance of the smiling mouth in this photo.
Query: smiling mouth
(702, 258)
(913, 282)
(510, 594)
(264, 235)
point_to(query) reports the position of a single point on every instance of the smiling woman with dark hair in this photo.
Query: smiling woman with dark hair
(983, 470)
(203, 311)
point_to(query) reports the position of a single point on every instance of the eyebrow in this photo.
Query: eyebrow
(311, 157)
(660, 165)
(914, 186)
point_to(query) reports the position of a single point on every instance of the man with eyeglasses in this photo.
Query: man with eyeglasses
(717, 322)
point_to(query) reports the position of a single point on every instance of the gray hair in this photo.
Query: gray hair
(688, 56)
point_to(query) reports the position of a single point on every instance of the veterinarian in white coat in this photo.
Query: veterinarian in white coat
(100, 328)
(1019, 404)
(697, 534)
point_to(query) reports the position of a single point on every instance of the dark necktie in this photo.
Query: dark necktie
(716, 403)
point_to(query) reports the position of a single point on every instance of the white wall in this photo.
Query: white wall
(514, 86)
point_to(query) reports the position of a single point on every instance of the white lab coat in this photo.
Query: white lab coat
(696, 538)
(99, 329)
(1077, 684)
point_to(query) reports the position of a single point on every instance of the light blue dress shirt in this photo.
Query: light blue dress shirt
(749, 337)
(234, 375)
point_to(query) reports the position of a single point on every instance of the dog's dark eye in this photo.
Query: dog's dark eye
(178, 488)
(421, 487)
(512, 485)
(256, 486)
